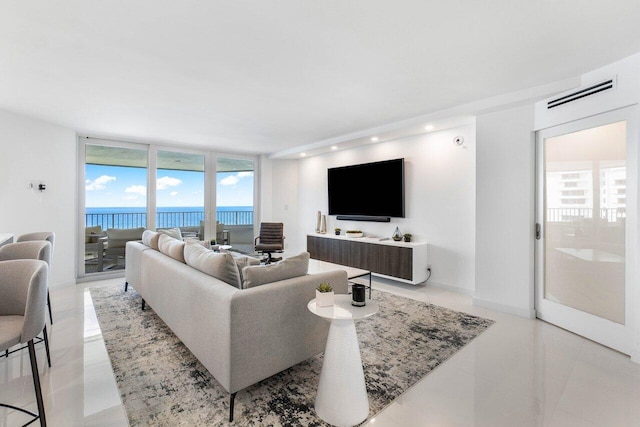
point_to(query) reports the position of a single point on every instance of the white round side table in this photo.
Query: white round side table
(342, 395)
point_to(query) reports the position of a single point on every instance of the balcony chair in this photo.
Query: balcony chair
(50, 237)
(35, 250)
(270, 240)
(117, 239)
(23, 300)
(94, 238)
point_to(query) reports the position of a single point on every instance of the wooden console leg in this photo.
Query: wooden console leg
(126, 286)
(143, 303)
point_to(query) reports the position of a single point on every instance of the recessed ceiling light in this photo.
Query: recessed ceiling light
(374, 139)
(303, 154)
(428, 127)
(333, 147)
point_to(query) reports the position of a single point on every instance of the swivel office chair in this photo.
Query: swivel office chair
(270, 240)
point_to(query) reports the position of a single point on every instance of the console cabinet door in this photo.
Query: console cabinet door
(395, 261)
(365, 256)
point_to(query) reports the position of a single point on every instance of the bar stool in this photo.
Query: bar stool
(23, 300)
(50, 237)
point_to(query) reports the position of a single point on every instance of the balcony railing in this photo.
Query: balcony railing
(573, 214)
(164, 219)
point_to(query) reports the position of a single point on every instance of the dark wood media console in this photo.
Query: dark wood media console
(406, 262)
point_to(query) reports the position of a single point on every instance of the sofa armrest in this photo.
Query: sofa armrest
(272, 329)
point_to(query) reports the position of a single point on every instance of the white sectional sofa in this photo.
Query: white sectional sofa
(241, 336)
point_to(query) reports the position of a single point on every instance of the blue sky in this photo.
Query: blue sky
(116, 186)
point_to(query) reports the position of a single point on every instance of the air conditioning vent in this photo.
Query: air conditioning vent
(582, 93)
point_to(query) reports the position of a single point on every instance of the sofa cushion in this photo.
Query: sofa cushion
(171, 247)
(286, 269)
(172, 232)
(150, 238)
(219, 265)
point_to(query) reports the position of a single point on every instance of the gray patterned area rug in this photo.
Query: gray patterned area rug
(162, 383)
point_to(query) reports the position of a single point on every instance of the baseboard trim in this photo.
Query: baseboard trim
(455, 289)
(521, 312)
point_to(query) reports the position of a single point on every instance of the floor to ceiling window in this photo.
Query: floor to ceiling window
(235, 203)
(115, 204)
(126, 188)
(180, 192)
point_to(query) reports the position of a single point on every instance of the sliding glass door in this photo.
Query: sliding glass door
(115, 204)
(587, 211)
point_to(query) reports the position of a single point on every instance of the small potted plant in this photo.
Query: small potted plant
(324, 295)
(354, 233)
(337, 230)
(407, 237)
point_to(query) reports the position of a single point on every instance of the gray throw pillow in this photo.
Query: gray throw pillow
(243, 261)
(286, 269)
(220, 266)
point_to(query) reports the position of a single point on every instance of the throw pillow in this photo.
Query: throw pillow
(220, 266)
(150, 238)
(286, 269)
(243, 261)
(172, 232)
(171, 247)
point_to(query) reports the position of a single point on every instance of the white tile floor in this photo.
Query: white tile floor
(518, 373)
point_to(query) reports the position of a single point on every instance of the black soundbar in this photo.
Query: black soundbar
(364, 218)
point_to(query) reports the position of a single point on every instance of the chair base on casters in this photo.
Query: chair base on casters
(269, 259)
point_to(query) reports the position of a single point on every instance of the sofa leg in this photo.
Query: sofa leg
(232, 399)
(126, 286)
(143, 303)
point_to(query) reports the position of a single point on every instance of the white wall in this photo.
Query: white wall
(439, 194)
(36, 151)
(284, 200)
(505, 189)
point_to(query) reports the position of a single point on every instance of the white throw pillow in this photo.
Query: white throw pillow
(220, 266)
(286, 269)
(171, 247)
(172, 232)
(150, 238)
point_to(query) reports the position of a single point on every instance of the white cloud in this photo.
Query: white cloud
(233, 179)
(166, 182)
(99, 183)
(230, 180)
(131, 198)
(138, 189)
(173, 193)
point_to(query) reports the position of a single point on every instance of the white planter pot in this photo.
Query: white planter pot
(324, 299)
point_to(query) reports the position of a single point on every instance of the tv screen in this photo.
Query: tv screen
(369, 189)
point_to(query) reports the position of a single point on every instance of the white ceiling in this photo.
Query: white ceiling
(267, 76)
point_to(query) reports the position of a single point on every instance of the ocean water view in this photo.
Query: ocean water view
(166, 217)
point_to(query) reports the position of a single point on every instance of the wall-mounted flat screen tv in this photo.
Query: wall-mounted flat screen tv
(369, 189)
